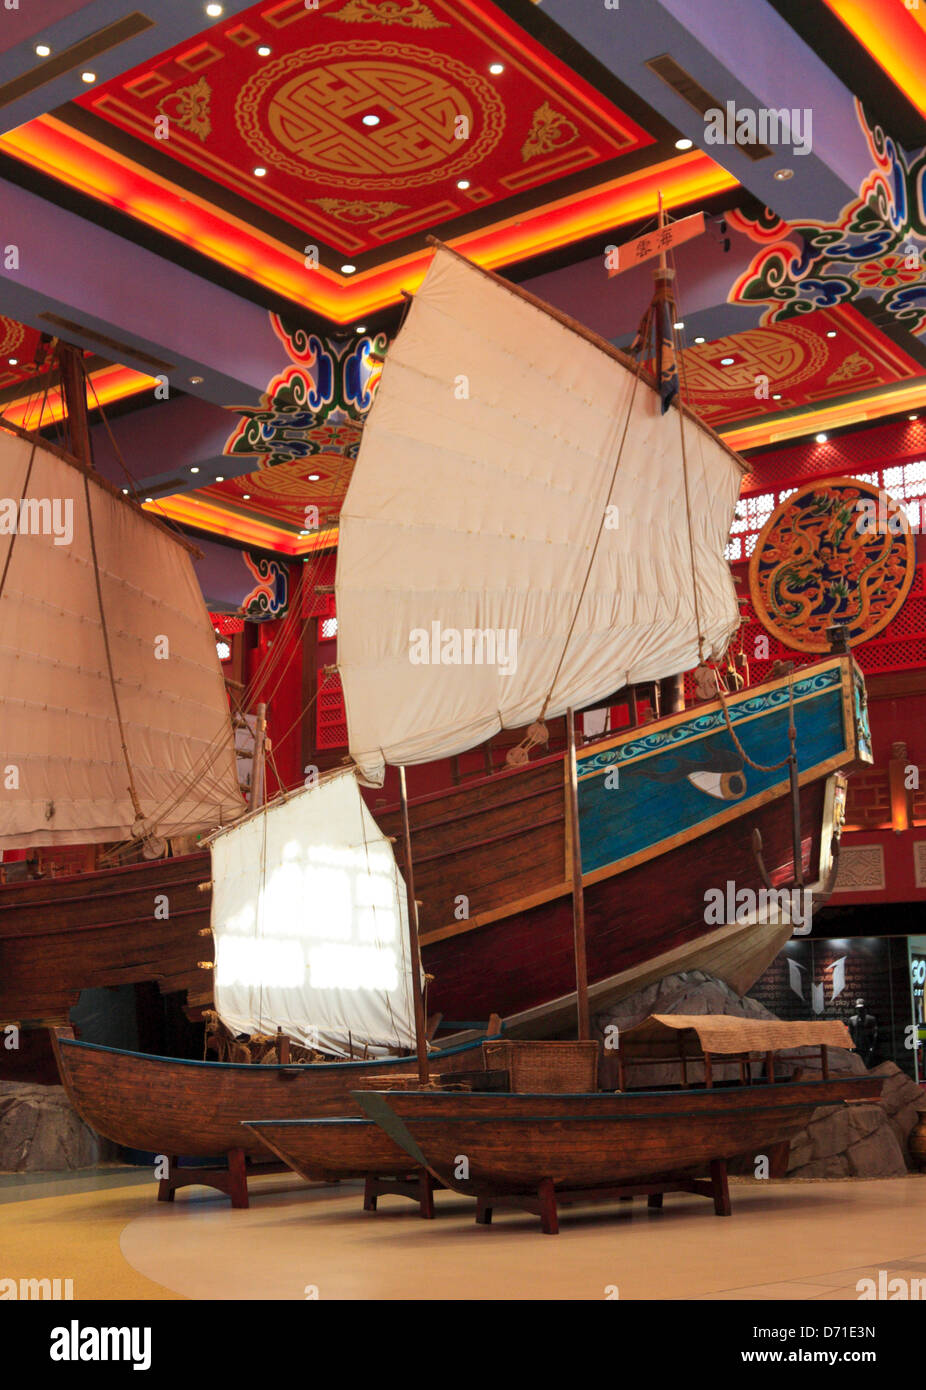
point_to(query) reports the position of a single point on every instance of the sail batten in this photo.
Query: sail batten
(64, 775)
(473, 517)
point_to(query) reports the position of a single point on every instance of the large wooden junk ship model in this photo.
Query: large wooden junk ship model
(528, 530)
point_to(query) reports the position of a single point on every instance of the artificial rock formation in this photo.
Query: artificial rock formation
(861, 1141)
(40, 1132)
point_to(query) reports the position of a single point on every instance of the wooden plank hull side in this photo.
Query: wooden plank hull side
(335, 1148)
(59, 936)
(516, 1142)
(522, 961)
(197, 1109)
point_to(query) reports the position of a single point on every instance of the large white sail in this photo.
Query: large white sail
(471, 518)
(63, 773)
(310, 919)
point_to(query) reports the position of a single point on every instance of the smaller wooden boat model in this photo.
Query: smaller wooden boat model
(538, 1151)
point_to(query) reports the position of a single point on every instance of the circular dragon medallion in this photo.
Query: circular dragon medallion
(787, 353)
(304, 114)
(835, 551)
(11, 334)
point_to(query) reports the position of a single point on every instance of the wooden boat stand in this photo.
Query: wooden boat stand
(233, 1180)
(547, 1200)
(419, 1186)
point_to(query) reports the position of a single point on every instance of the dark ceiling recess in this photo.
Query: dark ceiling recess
(119, 352)
(698, 97)
(74, 57)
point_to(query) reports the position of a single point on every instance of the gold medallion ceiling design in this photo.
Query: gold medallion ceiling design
(370, 119)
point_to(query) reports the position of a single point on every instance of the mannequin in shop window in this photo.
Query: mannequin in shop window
(863, 1027)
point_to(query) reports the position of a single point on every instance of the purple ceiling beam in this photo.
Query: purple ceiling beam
(110, 287)
(740, 51)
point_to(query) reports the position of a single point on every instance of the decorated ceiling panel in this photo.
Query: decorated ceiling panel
(363, 121)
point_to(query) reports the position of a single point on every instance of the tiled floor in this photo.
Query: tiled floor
(799, 1241)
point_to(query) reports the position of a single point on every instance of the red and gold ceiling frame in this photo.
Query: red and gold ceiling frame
(192, 510)
(92, 168)
(108, 385)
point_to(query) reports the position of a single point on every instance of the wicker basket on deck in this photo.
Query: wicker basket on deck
(545, 1066)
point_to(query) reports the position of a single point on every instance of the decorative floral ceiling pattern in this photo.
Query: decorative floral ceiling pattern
(363, 121)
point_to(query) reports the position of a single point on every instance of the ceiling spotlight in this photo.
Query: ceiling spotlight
(782, 174)
(303, 533)
(194, 468)
(361, 328)
(496, 69)
(42, 50)
(913, 417)
(699, 340)
(370, 119)
(196, 380)
(149, 499)
(684, 143)
(679, 326)
(314, 477)
(726, 361)
(13, 361)
(348, 269)
(260, 171)
(246, 496)
(463, 183)
(213, 11)
(820, 438)
(831, 333)
(776, 396)
(88, 77)
(125, 491)
(220, 477)
(264, 51)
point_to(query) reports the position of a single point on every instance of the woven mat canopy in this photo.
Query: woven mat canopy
(668, 1035)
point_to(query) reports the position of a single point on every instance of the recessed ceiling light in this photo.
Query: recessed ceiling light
(679, 326)
(777, 396)
(831, 333)
(125, 490)
(496, 69)
(196, 380)
(264, 50)
(213, 11)
(42, 50)
(13, 361)
(149, 499)
(303, 533)
(463, 183)
(220, 477)
(913, 417)
(314, 477)
(361, 328)
(246, 496)
(726, 361)
(684, 143)
(260, 171)
(194, 468)
(348, 269)
(370, 119)
(699, 340)
(782, 174)
(820, 438)
(88, 77)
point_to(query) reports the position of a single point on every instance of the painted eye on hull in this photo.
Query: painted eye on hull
(726, 786)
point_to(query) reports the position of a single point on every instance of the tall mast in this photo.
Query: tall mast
(74, 392)
(421, 1045)
(578, 895)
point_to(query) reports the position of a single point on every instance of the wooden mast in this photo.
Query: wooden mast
(259, 768)
(578, 894)
(74, 392)
(421, 1044)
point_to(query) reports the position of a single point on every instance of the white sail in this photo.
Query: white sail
(63, 776)
(471, 517)
(310, 919)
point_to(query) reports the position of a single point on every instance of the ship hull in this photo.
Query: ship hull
(332, 1148)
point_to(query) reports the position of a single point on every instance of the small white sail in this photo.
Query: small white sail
(63, 775)
(469, 524)
(310, 919)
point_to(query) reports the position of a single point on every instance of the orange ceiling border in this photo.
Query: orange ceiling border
(110, 384)
(225, 521)
(871, 407)
(895, 36)
(92, 168)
